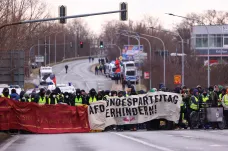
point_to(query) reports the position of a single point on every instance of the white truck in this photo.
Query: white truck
(44, 74)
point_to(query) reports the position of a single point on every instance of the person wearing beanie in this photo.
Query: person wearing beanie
(213, 97)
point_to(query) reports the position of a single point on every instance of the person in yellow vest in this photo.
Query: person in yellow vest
(92, 96)
(79, 99)
(106, 94)
(5, 93)
(225, 105)
(204, 98)
(194, 105)
(223, 92)
(42, 99)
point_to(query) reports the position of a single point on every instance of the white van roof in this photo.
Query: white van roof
(129, 62)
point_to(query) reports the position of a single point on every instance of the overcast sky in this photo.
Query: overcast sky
(137, 9)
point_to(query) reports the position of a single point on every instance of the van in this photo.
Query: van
(44, 74)
(128, 65)
(112, 70)
(131, 75)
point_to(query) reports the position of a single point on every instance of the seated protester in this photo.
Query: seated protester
(53, 98)
(5, 93)
(14, 95)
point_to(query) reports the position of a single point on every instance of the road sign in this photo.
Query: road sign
(121, 58)
(39, 58)
(146, 75)
(177, 79)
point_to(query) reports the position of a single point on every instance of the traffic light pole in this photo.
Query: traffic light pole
(58, 18)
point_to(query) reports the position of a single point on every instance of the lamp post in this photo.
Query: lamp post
(208, 50)
(182, 47)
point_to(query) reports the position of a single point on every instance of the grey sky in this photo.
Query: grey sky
(137, 9)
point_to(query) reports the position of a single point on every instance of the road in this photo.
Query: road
(80, 75)
(179, 140)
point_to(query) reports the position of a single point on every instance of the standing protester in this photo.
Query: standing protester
(96, 70)
(221, 97)
(100, 68)
(225, 105)
(92, 59)
(120, 127)
(41, 99)
(5, 93)
(78, 100)
(92, 96)
(89, 59)
(68, 98)
(14, 95)
(66, 67)
(213, 98)
(53, 98)
(99, 61)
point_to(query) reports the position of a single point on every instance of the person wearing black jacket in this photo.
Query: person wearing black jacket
(53, 98)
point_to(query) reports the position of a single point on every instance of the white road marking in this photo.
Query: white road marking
(144, 143)
(217, 145)
(10, 142)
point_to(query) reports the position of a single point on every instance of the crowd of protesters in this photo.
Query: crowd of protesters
(193, 98)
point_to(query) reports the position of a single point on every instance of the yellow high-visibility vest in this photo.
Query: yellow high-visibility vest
(226, 99)
(49, 101)
(92, 99)
(194, 106)
(78, 101)
(5, 97)
(42, 101)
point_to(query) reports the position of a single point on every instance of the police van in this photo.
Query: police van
(128, 65)
(131, 75)
(44, 74)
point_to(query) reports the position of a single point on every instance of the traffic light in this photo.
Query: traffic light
(81, 44)
(62, 13)
(101, 44)
(123, 15)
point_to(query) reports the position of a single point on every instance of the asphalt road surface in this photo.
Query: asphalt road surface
(178, 140)
(80, 75)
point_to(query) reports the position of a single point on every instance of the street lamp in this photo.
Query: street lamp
(164, 60)
(182, 45)
(208, 50)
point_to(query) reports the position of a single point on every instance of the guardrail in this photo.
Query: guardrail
(75, 58)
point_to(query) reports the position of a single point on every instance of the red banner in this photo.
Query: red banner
(43, 118)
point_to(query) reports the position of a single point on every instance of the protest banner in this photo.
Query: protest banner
(43, 118)
(134, 109)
